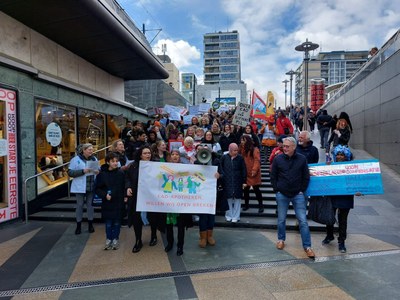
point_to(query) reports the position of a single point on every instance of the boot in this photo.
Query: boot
(91, 228)
(78, 228)
(210, 239)
(203, 239)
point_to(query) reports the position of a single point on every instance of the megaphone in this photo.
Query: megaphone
(204, 156)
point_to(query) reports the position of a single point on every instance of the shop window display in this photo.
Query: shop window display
(91, 130)
(55, 142)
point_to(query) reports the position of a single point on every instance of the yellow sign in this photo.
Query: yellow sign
(270, 104)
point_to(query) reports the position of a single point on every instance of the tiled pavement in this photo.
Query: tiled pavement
(45, 260)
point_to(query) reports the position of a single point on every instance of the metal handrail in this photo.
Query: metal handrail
(24, 192)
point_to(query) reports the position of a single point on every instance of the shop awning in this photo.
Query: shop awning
(97, 30)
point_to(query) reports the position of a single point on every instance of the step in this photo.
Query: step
(66, 216)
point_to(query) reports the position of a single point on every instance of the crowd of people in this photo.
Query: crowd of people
(235, 150)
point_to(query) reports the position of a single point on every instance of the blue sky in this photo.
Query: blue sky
(269, 31)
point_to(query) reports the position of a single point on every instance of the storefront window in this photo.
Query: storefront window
(115, 124)
(91, 130)
(55, 142)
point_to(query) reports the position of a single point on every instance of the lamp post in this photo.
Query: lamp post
(291, 73)
(285, 82)
(306, 47)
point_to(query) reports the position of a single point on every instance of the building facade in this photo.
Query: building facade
(189, 87)
(334, 67)
(62, 84)
(222, 58)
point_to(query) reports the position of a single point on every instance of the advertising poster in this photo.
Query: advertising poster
(8, 159)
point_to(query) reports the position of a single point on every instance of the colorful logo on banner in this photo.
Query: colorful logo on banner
(346, 178)
(176, 188)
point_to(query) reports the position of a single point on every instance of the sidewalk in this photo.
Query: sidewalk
(46, 260)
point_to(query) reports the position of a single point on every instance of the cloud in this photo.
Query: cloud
(182, 54)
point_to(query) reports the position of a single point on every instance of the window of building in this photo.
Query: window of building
(55, 141)
(91, 129)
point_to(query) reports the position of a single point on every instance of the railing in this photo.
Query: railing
(24, 192)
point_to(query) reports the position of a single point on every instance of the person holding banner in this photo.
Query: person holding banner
(340, 203)
(206, 221)
(131, 184)
(290, 177)
(233, 174)
(182, 221)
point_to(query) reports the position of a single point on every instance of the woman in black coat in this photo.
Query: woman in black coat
(131, 184)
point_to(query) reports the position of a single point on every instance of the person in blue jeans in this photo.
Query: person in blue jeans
(110, 186)
(290, 177)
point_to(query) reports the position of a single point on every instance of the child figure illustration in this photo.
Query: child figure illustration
(169, 184)
(180, 184)
(192, 185)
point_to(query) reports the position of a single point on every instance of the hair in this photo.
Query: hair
(308, 134)
(139, 153)
(212, 137)
(81, 147)
(249, 126)
(342, 149)
(110, 156)
(188, 139)
(115, 144)
(291, 140)
(248, 145)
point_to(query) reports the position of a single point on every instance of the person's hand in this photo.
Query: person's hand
(216, 175)
(125, 199)
(129, 192)
(244, 185)
(358, 194)
(96, 172)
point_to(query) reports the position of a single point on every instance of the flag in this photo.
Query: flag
(259, 109)
(270, 104)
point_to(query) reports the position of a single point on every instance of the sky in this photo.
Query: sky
(269, 30)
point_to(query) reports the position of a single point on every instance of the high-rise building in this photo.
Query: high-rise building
(335, 67)
(222, 58)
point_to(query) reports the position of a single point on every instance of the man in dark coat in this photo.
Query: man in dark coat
(290, 177)
(305, 147)
(233, 174)
(323, 123)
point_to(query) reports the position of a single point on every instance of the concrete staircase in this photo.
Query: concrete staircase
(63, 209)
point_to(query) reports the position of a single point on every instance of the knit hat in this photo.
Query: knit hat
(342, 149)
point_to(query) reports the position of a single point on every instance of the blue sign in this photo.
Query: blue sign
(345, 178)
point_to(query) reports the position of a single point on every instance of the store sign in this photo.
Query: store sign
(10, 163)
(53, 134)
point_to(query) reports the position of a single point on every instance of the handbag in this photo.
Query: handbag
(320, 210)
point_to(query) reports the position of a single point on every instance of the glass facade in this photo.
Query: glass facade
(59, 129)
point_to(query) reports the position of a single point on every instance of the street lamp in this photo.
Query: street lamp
(285, 82)
(306, 47)
(291, 73)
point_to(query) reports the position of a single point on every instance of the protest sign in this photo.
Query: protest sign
(345, 178)
(242, 114)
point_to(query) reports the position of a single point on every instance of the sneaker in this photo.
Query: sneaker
(327, 240)
(228, 219)
(115, 244)
(342, 247)
(280, 245)
(309, 252)
(235, 221)
(108, 245)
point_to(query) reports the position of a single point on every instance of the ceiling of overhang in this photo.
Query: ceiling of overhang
(87, 29)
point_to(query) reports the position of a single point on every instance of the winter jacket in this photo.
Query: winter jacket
(253, 166)
(310, 152)
(233, 175)
(113, 181)
(290, 175)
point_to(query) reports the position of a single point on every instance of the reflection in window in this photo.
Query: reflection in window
(91, 130)
(55, 141)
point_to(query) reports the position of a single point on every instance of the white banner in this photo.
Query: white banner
(176, 188)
